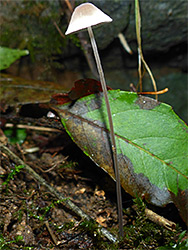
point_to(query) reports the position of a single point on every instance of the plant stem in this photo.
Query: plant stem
(112, 135)
(140, 53)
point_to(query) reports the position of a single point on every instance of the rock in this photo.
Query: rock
(164, 24)
(119, 12)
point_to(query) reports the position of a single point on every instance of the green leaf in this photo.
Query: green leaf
(8, 56)
(151, 139)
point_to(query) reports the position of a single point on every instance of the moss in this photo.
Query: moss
(140, 232)
(32, 27)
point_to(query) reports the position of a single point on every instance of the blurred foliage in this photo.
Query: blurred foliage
(33, 24)
(6, 244)
(16, 135)
(9, 56)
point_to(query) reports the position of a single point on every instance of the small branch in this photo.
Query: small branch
(44, 129)
(48, 124)
(124, 43)
(153, 92)
(151, 76)
(69, 5)
(67, 202)
(140, 53)
(58, 29)
(51, 233)
(160, 220)
(140, 74)
(88, 54)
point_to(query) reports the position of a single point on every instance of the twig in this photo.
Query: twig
(151, 75)
(153, 92)
(140, 53)
(58, 29)
(31, 150)
(69, 5)
(44, 129)
(67, 202)
(88, 54)
(21, 151)
(140, 74)
(124, 43)
(51, 233)
(157, 219)
(54, 166)
(160, 220)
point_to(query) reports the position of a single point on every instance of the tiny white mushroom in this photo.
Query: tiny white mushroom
(85, 16)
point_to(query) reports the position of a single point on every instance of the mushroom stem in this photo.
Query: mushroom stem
(112, 135)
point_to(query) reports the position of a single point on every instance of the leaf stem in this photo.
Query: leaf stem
(112, 135)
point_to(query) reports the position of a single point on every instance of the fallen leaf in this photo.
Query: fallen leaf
(84, 87)
(100, 193)
(15, 90)
(80, 191)
(81, 88)
(151, 142)
(101, 221)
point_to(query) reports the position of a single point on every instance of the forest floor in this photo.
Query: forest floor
(32, 217)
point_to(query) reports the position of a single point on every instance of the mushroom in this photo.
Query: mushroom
(84, 16)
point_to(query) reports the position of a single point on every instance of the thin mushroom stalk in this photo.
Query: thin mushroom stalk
(85, 16)
(112, 134)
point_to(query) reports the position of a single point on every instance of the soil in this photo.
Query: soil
(31, 217)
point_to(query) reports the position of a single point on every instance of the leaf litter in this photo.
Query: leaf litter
(33, 217)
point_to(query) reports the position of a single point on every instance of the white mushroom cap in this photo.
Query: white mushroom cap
(84, 16)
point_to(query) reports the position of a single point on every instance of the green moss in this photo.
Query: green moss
(140, 232)
(66, 226)
(31, 26)
(6, 244)
(12, 174)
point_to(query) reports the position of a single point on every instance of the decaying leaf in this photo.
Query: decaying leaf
(82, 87)
(151, 142)
(101, 220)
(15, 90)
